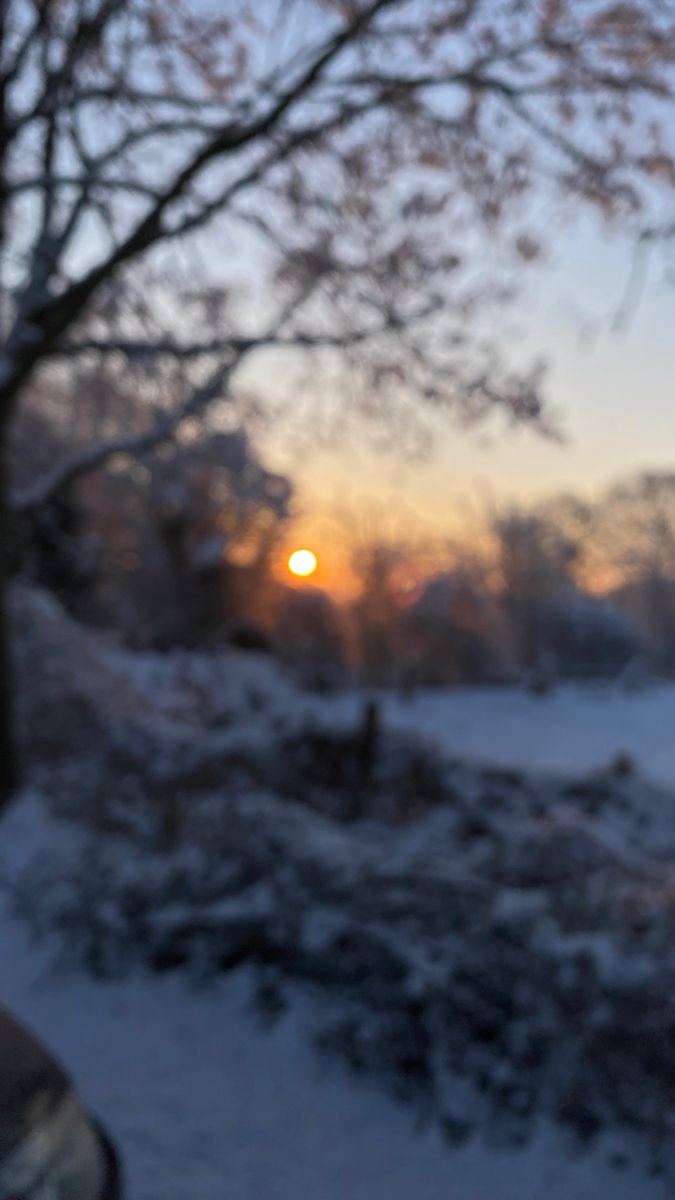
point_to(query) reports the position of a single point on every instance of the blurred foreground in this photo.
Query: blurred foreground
(223, 871)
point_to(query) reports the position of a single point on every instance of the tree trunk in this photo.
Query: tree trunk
(8, 750)
(8, 759)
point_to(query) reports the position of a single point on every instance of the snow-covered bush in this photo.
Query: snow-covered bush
(454, 632)
(505, 940)
(512, 932)
(590, 638)
(65, 691)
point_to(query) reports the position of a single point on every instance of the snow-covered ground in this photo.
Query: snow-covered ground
(206, 1104)
(576, 729)
(203, 1101)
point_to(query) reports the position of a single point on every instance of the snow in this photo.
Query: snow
(208, 1100)
(576, 729)
(205, 1103)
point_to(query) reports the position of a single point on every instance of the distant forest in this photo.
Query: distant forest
(178, 550)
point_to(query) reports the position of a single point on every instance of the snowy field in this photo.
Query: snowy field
(576, 729)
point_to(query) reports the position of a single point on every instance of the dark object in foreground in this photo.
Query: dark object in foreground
(50, 1149)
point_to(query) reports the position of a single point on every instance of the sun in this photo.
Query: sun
(303, 563)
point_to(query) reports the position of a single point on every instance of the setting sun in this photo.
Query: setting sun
(302, 563)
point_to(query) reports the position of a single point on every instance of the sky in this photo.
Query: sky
(611, 389)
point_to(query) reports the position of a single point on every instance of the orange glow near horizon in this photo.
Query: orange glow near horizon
(332, 572)
(331, 569)
(303, 563)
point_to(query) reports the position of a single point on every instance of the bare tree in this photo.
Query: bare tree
(536, 564)
(181, 191)
(632, 538)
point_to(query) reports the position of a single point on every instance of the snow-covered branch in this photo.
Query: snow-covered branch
(134, 446)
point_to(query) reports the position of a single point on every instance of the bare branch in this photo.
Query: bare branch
(89, 183)
(299, 340)
(347, 154)
(52, 318)
(202, 397)
(135, 446)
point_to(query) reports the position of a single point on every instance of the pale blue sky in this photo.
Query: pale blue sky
(614, 392)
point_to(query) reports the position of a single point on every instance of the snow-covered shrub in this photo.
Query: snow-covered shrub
(63, 688)
(133, 742)
(518, 935)
(590, 638)
(454, 633)
(125, 740)
(360, 771)
(506, 940)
